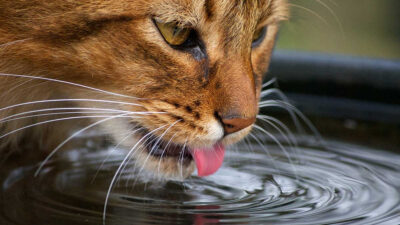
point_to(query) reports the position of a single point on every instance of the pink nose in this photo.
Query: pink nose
(233, 125)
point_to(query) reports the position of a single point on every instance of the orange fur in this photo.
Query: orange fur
(115, 46)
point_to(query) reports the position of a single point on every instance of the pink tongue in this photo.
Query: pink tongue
(208, 161)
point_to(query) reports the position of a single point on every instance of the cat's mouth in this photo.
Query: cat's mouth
(157, 147)
(207, 160)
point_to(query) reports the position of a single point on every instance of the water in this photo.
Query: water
(342, 184)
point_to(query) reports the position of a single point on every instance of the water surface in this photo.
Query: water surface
(338, 184)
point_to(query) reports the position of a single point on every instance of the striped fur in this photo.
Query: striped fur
(115, 46)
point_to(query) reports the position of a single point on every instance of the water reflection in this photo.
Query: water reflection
(345, 184)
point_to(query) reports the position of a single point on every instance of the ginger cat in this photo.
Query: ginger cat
(173, 81)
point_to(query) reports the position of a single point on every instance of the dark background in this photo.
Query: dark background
(338, 61)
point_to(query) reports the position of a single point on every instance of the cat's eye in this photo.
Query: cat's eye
(173, 34)
(258, 36)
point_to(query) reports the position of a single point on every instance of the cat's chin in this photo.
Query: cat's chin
(165, 159)
(165, 167)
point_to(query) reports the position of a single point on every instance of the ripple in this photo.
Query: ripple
(341, 184)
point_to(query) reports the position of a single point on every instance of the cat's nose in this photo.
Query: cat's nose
(232, 125)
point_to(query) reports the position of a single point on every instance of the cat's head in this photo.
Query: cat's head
(195, 67)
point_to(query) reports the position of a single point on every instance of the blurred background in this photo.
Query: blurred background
(338, 61)
(369, 28)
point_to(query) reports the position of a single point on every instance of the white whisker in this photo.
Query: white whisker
(15, 87)
(68, 83)
(130, 134)
(280, 146)
(282, 96)
(311, 12)
(162, 154)
(271, 120)
(144, 145)
(119, 169)
(73, 136)
(266, 151)
(286, 134)
(14, 42)
(78, 111)
(68, 100)
(333, 2)
(249, 145)
(270, 82)
(333, 14)
(278, 104)
(54, 120)
(156, 143)
(181, 154)
(309, 124)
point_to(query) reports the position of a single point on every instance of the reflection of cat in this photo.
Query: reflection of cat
(187, 73)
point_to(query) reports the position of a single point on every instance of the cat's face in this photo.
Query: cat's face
(205, 84)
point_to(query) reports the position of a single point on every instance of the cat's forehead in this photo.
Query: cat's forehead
(193, 12)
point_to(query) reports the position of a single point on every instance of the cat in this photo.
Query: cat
(173, 81)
